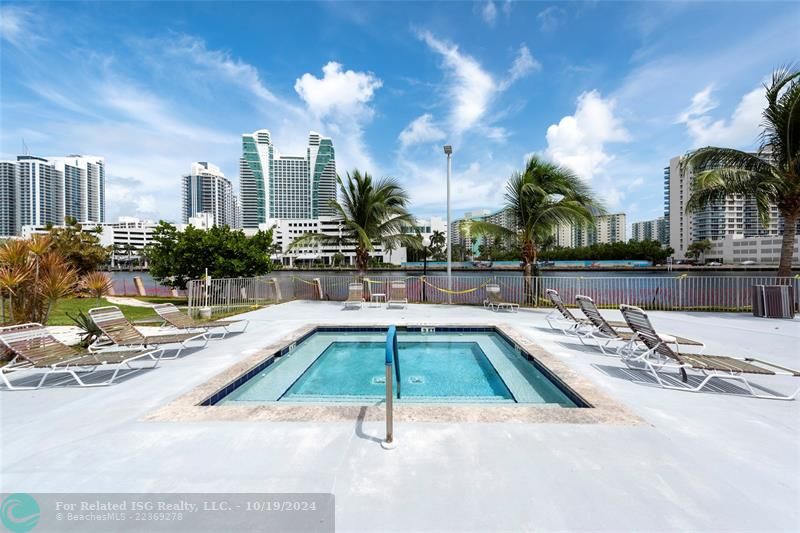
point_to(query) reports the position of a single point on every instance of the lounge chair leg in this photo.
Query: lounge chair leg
(603, 346)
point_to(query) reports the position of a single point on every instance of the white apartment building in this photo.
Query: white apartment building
(275, 186)
(285, 231)
(8, 195)
(36, 191)
(427, 226)
(128, 236)
(206, 190)
(761, 250)
(736, 217)
(84, 179)
(606, 229)
(651, 230)
(611, 228)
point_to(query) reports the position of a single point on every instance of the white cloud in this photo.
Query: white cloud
(637, 182)
(474, 186)
(578, 141)
(338, 91)
(702, 103)
(15, 22)
(612, 197)
(139, 105)
(421, 130)
(523, 65)
(496, 133)
(550, 18)
(340, 103)
(740, 131)
(146, 204)
(471, 87)
(489, 13)
(220, 64)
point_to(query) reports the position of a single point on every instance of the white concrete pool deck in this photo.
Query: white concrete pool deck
(699, 462)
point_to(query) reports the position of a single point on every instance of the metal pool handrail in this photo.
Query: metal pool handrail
(390, 361)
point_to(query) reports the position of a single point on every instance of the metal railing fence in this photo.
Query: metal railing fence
(667, 293)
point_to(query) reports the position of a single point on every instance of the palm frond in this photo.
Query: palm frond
(481, 227)
(721, 172)
(312, 239)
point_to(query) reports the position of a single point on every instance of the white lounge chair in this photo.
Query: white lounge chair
(659, 358)
(355, 296)
(603, 333)
(562, 318)
(494, 299)
(34, 349)
(117, 330)
(398, 294)
(182, 321)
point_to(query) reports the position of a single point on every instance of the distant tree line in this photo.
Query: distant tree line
(647, 250)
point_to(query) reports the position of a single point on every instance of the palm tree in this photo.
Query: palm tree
(698, 248)
(538, 199)
(438, 245)
(772, 176)
(371, 212)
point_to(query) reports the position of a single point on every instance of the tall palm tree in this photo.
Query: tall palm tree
(771, 177)
(537, 200)
(371, 212)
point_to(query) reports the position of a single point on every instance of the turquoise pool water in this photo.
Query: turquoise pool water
(432, 369)
(445, 367)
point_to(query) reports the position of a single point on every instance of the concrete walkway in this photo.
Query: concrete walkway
(701, 462)
(133, 302)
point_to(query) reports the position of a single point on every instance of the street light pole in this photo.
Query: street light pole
(426, 243)
(448, 150)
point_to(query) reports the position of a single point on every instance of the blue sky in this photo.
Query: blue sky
(612, 90)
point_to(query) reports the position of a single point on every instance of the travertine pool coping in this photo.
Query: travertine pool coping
(603, 410)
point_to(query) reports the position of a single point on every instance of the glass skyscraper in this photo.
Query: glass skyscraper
(36, 191)
(207, 190)
(275, 186)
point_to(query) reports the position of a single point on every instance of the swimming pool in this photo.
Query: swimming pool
(445, 365)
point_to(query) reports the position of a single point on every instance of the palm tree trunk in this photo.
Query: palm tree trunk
(528, 259)
(362, 260)
(787, 246)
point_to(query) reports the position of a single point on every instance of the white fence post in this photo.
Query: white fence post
(277, 290)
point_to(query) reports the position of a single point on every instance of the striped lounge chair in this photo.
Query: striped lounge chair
(34, 350)
(658, 358)
(117, 330)
(603, 333)
(182, 321)
(562, 318)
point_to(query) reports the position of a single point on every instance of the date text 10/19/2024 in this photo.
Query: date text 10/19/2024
(183, 506)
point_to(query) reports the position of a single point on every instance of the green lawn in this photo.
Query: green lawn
(58, 316)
